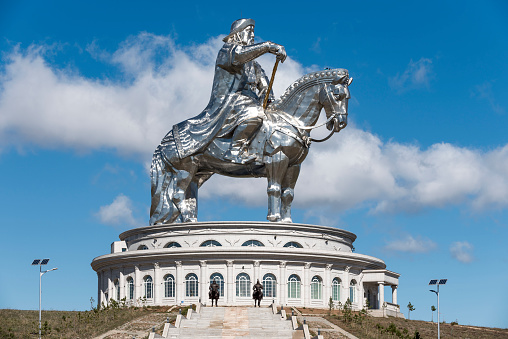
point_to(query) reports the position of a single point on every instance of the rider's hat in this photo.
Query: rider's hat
(238, 26)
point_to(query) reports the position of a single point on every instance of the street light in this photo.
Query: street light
(40, 263)
(437, 282)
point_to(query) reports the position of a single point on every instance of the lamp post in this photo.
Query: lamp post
(437, 282)
(40, 263)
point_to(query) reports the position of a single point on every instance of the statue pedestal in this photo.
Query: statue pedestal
(299, 265)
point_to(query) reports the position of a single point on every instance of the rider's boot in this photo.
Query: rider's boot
(238, 152)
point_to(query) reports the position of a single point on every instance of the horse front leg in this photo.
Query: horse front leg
(288, 192)
(276, 167)
(182, 197)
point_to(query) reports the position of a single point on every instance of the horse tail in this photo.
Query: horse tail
(162, 179)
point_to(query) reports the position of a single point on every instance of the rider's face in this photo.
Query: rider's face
(247, 35)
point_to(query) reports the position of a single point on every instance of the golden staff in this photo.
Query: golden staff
(265, 102)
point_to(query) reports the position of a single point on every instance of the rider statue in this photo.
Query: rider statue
(235, 109)
(214, 292)
(258, 293)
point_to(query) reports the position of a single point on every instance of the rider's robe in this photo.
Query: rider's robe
(238, 90)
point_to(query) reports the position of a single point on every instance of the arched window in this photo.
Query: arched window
(191, 285)
(270, 286)
(172, 244)
(130, 288)
(243, 285)
(148, 287)
(294, 286)
(219, 279)
(316, 288)
(117, 289)
(142, 247)
(210, 243)
(336, 289)
(352, 288)
(169, 286)
(253, 243)
(293, 244)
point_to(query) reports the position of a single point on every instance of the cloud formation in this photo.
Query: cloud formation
(462, 251)
(417, 75)
(119, 212)
(411, 245)
(44, 106)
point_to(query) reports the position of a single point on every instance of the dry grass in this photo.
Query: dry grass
(70, 324)
(382, 328)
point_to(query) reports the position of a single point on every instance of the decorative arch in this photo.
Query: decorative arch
(253, 243)
(130, 288)
(336, 289)
(191, 285)
(316, 288)
(270, 286)
(219, 279)
(293, 244)
(294, 284)
(172, 244)
(148, 284)
(210, 243)
(352, 290)
(169, 286)
(243, 285)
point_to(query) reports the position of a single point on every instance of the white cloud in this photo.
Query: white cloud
(119, 212)
(461, 250)
(417, 74)
(411, 245)
(484, 91)
(165, 83)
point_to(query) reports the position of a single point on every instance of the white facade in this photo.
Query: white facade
(299, 265)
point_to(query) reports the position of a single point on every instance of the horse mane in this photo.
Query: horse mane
(305, 82)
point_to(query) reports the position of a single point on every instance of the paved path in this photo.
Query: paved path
(233, 322)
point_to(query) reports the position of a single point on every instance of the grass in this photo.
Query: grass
(368, 327)
(71, 324)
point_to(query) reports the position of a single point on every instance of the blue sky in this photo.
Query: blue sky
(87, 91)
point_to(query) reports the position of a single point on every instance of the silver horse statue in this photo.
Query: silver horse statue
(280, 146)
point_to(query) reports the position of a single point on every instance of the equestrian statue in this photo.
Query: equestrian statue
(244, 131)
(257, 295)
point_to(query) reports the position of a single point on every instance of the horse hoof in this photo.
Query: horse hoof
(287, 220)
(273, 217)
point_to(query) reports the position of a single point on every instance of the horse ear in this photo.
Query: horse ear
(339, 79)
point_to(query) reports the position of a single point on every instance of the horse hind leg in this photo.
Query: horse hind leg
(288, 192)
(276, 167)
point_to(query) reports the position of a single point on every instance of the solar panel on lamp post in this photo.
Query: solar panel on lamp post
(437, 282)
(40, 263)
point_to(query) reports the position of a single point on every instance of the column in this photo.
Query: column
(157, 284)
(121, 282)
(110, 286)
(381, 293)
(100, 292)
(179, 282)
(137, 285)
(230, 280)
(203, 281)
(327, 284)
(283, 283)
(306, 284)
(394, 294)
(345, 285)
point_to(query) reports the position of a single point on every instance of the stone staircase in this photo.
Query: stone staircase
(233, 322)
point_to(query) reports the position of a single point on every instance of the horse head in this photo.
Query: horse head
(334, 97)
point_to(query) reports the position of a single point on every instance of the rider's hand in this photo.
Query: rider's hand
(279, 51)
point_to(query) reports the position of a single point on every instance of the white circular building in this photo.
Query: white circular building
(298, 265)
